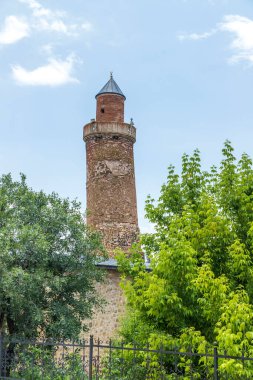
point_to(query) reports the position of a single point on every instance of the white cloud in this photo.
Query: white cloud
(37, 8)
(45, 19)
(47, 49)
(242, 30)
(197, 36)
(55, 73)
(41, 19)
(242, 57)
(87, 26)
(14, 29)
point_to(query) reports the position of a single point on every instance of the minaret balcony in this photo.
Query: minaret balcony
(113, 128)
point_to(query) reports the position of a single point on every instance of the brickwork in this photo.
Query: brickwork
(110, 185)
(111, 196)
(110, 107)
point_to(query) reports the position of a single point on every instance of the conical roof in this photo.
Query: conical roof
(111, 87)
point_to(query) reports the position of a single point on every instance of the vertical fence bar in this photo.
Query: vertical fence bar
(148, 361)
(97, 360)
(243, 358)
(225, 353)
(1, 354)
(160, 359)
(122, 359)
(83, 357)
(216, 364)
(91, 356)
(110, 358)
(206, 363)
(189, 367)
(176, 361)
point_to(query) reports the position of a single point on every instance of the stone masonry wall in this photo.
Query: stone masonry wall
(105, 322)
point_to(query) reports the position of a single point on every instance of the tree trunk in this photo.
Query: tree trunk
(1, 344)
(1, 321)
(9, 349)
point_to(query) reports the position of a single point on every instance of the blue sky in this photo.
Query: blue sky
(185, 66)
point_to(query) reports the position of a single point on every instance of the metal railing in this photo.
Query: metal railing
(30, 359)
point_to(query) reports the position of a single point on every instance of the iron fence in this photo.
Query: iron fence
(28, 359)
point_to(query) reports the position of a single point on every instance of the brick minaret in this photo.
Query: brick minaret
(111, 194)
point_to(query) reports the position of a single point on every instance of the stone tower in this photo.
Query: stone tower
(111, 194)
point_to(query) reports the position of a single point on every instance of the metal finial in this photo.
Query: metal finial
(132, 121)
(111, 75)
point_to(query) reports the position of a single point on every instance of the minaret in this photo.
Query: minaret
(111, 194)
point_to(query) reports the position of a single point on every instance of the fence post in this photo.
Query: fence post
(1, 353)
(91, 356)
(216, 358)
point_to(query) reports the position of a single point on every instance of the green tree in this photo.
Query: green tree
(200, 289)
(47, 263)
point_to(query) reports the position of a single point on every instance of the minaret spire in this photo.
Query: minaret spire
(110, 103)
(111, 194)
(111, 87)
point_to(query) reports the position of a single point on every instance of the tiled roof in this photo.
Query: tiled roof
(111, 87)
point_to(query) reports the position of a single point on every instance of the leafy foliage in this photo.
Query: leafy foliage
(200, 289)
(47, 263)
(37, 363)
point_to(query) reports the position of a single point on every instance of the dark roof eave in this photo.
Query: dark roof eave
(112, 265)
(107, 266)
(109, 93)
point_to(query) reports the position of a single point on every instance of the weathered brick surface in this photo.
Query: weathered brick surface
(110, 107)
(111, 194)
(111, 199)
